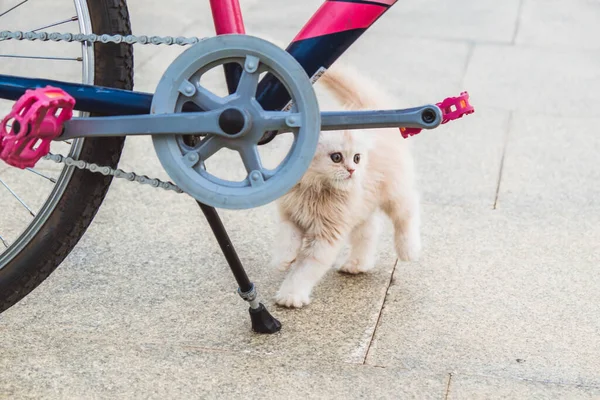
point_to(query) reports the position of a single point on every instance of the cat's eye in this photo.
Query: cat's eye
(336, 157)
(356, 158)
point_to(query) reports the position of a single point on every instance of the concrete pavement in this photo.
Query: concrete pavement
(505, 302)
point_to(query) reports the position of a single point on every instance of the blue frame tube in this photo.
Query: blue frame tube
(96, 99)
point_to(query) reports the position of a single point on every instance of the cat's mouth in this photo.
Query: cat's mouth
(343, 179)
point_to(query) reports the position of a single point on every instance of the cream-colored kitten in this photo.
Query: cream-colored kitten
(353, 176)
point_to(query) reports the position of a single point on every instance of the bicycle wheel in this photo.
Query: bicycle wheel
(46, 210)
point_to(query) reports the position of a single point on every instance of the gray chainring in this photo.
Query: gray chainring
(185, 163)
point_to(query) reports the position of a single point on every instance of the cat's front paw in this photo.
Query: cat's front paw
(292, 298)
(409, 249)
(355, 267)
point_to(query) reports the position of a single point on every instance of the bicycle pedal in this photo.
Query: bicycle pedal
(452, 108)
(36, 119)
(455, 107)
(406, 132)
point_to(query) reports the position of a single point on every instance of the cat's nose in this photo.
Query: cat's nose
(350, 171)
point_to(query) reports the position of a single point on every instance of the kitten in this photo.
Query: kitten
(354, 175)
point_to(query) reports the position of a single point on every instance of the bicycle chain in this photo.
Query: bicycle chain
(93, 38)
(117, 173)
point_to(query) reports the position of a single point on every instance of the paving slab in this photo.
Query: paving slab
(559, 24)
(285, 20)
(414, 71)
(83, 367)
(459, 164)
(491, 388)
(551, 164)
(560, 82)
(497, 293)
(467, 20)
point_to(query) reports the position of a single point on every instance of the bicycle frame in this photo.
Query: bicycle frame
(334, 27)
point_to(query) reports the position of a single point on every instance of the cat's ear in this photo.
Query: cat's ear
(329, 139)
(321, 145)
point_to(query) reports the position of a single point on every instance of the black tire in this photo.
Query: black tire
(113, 67)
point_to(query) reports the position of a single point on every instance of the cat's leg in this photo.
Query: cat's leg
(287, 245)
(314, 260)
(363, 246)
(405, 212)
(342, 257)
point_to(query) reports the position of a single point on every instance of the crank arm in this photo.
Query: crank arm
(148, 124)
(425, 117)
(215, 122)
(202, 123)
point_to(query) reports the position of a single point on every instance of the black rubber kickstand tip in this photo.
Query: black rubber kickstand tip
(262, 321)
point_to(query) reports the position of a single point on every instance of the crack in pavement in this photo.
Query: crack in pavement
(387, 289)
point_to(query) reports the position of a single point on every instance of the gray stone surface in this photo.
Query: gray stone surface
(552, 163)
(491, 388)
(495, 287)
(546, 81)
(504, 302)
(467, 20)
(559, 24)
(84, 367)
(459, 163)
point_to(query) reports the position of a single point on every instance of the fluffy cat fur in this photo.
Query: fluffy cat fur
(339, 203)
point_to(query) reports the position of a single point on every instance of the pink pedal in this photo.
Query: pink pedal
(452, 108)
(455, 107)
(406, 132)
(35, 120)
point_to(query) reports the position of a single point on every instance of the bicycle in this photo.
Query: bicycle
(188, 124)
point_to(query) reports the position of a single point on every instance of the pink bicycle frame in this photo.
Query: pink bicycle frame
(323, 39)
(227, 16)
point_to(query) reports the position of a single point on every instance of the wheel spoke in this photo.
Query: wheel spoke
(12, 8)
(206, 99)
(42, 57)
(17, 197)
(208, 147)
(249, 79)
(40, 174)
(251, 159)
(64, 21)
(278, 120)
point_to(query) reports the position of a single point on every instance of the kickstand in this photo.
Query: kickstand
(262, 320)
